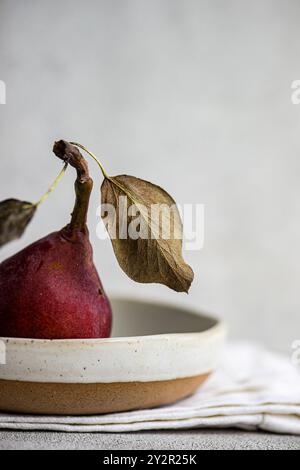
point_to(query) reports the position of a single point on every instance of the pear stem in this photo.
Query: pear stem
(80, 212)
(83, 184)
(93, 156)
(54, 184)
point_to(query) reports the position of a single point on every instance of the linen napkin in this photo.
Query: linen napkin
(252, 389)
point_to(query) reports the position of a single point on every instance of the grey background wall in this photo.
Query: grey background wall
(193, 95)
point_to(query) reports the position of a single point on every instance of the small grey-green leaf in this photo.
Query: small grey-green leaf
(15, 215)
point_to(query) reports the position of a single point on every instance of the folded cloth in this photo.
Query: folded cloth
(252, 389)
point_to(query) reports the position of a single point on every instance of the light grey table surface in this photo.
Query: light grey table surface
(158, 440)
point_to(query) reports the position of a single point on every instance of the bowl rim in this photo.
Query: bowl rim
(120, 359)
(219, 326)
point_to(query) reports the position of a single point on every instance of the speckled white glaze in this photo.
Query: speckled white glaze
(164, 354)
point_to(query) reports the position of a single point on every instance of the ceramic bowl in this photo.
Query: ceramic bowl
(158, 354)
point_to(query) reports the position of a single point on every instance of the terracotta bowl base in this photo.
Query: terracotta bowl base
(89, 399)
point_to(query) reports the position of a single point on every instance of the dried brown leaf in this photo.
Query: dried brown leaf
(156, 256)
(15, 215)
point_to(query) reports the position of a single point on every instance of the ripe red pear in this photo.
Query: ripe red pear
(51, 289)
